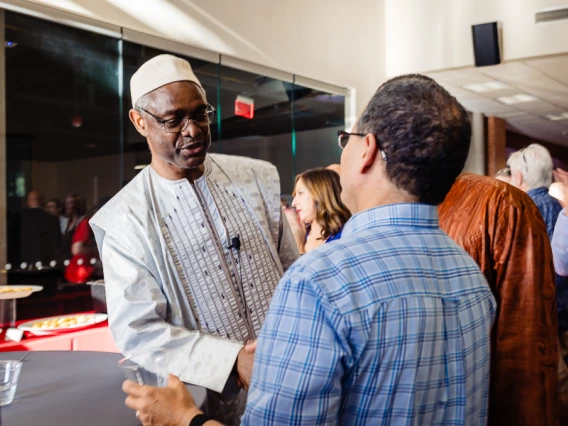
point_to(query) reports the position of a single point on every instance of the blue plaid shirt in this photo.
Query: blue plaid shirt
(387, 326)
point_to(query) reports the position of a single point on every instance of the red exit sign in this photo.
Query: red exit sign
(244, 107)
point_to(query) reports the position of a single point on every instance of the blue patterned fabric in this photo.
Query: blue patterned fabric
(389, 325)
(330, 238)
(548, 206)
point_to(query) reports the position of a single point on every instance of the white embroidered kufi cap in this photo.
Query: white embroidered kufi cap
(159, 71)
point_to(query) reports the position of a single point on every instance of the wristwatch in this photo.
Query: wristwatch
(199, 420)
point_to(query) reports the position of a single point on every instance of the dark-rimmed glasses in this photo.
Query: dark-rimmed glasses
(177, 125)
(343, 138)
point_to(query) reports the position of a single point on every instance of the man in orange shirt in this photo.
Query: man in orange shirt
(502, 229)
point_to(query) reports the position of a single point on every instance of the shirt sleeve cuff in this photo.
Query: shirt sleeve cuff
(210, 362)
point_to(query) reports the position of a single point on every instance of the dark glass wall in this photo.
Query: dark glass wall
(68, 132)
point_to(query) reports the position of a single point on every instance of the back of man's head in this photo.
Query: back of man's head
(534, 164)
(424, 132)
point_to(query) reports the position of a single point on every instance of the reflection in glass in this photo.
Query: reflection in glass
(317, 118)
(68, 132)
(256, 120)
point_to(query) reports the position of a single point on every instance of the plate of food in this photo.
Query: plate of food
(18, 291)
(62, 323)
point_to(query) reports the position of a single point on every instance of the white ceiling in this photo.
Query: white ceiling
(545, 78)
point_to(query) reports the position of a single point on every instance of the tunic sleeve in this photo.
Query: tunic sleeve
(138, 311)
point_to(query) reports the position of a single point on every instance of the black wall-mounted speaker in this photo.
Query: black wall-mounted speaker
(486, 44)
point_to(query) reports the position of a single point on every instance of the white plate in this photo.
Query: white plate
(19, 294)
(92, 319)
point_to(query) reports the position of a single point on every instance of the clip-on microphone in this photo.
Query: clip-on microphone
(235, 243)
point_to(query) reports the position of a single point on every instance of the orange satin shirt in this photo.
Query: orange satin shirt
(502, 229)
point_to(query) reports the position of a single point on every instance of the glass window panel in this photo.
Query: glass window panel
(268, 134)
(136, 149)
(62, 113)
(317, 118)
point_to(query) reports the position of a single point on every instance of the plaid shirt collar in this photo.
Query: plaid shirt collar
(393, 215)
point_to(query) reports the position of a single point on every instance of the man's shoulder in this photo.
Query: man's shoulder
(239, 163)
(132, 199)
(378, 266)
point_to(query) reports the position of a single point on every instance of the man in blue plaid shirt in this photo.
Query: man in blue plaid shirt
(390, 324)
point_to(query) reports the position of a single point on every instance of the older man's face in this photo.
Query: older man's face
(174, 102)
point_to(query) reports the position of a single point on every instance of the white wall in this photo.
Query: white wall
(428, 35)
(338, 42)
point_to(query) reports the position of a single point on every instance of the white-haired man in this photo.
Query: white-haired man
(531, 171)
(194, 246)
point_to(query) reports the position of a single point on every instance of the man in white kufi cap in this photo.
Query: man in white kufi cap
(192, 247)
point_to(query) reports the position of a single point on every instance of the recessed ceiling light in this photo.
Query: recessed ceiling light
(487, 86)
(497, 85)
(556, 117)
(477, 88)
(511, 114)
(517, 99)
(553, 117)
(523, 97)
(140, 166)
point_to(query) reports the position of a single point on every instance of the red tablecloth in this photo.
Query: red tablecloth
(96, 338)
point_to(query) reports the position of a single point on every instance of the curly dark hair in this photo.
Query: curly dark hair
(424, 132)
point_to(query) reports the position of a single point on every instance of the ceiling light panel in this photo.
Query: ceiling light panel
(517, 99)
(488, 86)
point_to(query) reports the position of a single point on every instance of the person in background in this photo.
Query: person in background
(39, 232)
(75, 211)
(531, 172)
(54, 208)
(504, 175)
(560, 253)
(85, 255)
(560, 237)
(317, 200)
(390, 324)
(502, 229)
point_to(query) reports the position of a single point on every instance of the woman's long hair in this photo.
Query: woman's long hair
(324, 186)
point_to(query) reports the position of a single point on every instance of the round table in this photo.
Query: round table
(72, 388)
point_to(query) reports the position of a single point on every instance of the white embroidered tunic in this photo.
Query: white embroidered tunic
(172, 279)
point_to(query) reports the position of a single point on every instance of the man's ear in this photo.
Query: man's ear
(139, 122)
(369, 152)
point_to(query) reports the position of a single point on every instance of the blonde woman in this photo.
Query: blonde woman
(317, 199)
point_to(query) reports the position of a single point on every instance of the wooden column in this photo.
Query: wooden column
(496, 143)
(476, 162)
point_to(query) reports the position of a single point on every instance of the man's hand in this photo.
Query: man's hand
(562, 177)
(245, 362)
(169, 406)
